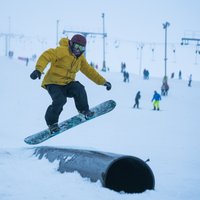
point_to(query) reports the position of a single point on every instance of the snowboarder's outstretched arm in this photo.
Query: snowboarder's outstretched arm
(46, 57)
(108, 85)
(35, 74)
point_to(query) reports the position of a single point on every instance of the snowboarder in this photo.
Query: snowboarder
(66, 60)
(137, 97)
(156, 99)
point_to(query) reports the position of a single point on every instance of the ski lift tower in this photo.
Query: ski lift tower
(165, 26)
(187, 40)
(7, 37)
(93, 33)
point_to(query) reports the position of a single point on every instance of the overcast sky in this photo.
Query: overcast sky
(126, 22)
(131, 19)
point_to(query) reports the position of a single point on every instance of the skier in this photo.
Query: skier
(66, 60)
(156, 99)
(137, 97)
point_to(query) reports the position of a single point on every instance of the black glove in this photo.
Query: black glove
(108, 85)
(35, 74)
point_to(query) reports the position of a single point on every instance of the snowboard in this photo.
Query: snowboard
(44, 135)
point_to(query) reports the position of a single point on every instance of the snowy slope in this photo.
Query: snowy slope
(170, 137)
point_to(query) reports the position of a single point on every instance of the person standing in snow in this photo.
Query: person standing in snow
(164, 89)
(190, 80)
(156, 99)
(66, 60)
(180, 75)
(137, 98)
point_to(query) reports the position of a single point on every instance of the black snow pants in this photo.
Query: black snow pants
(59, 94)
(136, 103)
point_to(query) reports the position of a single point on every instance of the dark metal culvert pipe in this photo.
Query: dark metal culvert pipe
(117, 172)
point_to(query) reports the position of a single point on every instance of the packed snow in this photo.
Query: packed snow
(169, 137)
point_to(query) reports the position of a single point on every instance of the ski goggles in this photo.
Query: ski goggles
(78, 46)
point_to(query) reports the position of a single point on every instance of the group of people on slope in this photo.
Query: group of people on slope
(155, 99)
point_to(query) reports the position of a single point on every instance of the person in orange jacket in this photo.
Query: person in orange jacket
(66, 60)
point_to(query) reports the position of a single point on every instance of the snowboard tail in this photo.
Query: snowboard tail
(98, 110)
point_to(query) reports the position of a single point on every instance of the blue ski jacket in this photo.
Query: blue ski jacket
(156, 97)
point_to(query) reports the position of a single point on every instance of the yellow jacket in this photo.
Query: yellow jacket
(64, 66)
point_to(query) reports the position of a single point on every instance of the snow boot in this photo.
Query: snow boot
(54, 128)
(87, 114)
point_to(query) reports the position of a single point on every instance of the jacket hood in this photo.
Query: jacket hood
(64, 42)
